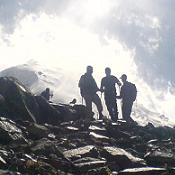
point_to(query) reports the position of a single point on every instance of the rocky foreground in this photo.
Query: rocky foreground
(50, 139)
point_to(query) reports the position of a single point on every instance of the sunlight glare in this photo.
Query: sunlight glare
(96, 8)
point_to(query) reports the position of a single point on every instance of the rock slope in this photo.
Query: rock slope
(41, 138)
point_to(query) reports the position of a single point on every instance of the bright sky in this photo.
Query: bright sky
(133, 37)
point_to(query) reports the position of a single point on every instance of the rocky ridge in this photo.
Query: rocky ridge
(37, 137)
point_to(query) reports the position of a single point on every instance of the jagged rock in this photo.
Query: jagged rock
(64, 173)
(43, 147)
(2, 100)
(153, 141)
(53, 128)
(19, 103)
(101, 171)
(97, 129)
(66, 110)
(122, 158)
(83, 135)
(82, 112)
(161, 132)
(9, 132)
(81, 146)
(97, 138)
(72, 129)
(47, 113)
(6, 172)
(73, 113)
(37, 131)
(136, 139)
(160, 157)
(115, 130)
(81, 152)
(2, 161)
(69, 130)
(141, 148)
(60, 163)
(88, 163)
(5, 155)
(51, 136)
(40, 167)
(143, 171)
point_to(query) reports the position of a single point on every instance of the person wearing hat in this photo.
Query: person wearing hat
(128, 94)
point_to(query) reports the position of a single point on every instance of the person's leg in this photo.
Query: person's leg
(114, 108)
(88, 102)
(129, 111)
(126, 110)
(109, 106)
(96, 99)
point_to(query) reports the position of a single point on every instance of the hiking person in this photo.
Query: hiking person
(108, 87)
(46, 94)
(128, 95)
(88, 91)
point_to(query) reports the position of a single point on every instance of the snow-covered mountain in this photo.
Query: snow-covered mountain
(33, 76)
(37, 77)
(143, 115)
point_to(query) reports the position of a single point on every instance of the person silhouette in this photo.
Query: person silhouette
(128, 95)
(46, 94)
(88, 91)
(108, 87)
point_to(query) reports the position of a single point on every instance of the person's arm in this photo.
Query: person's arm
(80, 85)
(94, 85)
(97, 88)
(117, 81)
(102, 86)
(121, 94)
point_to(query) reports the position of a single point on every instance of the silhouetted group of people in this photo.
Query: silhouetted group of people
(88, 89)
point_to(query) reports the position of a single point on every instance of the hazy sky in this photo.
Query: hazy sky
(136, 37)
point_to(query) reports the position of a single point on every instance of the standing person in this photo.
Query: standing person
(88, 90)
(128, 95)
(108, 87)
(46, 94)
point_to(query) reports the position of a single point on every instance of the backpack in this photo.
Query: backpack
(133, 91)
(87, 85)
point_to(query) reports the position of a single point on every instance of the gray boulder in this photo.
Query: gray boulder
(19, 103)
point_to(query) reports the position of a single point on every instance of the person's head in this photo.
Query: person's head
(47, 89)
(123, 78)
(89, 70)
(107, 71)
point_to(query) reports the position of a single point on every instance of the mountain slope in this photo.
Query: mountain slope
(37, 77)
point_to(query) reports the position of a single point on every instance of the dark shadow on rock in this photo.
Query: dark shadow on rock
(48, 113)
(19, 103)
